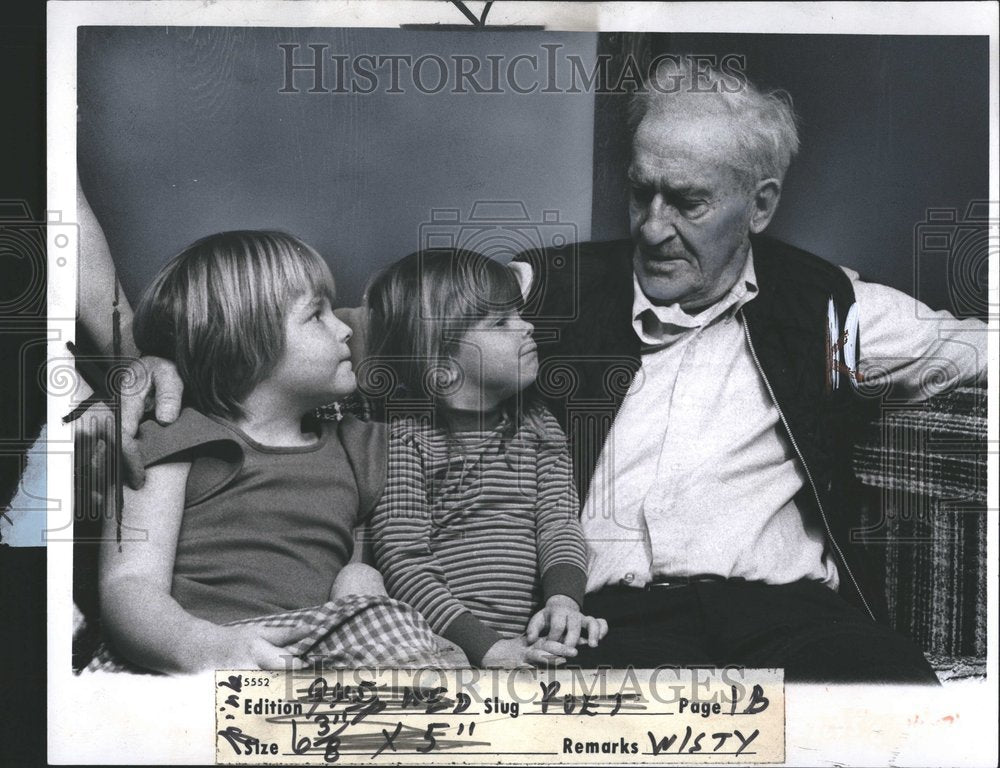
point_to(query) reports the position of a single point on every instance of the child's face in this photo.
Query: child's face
(498, 355)
(315, 368)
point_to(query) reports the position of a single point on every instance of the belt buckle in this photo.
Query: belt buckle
(669, 583)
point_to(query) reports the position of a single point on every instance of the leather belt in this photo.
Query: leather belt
(673, 582)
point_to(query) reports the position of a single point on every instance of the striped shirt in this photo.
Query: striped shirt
(476, 529)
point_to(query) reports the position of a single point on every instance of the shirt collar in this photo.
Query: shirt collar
(658, 325)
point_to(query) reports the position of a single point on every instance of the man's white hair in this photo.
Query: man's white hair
(762, 124)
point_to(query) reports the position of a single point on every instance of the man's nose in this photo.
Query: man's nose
(660, 221)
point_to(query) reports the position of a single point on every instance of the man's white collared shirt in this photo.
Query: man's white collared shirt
(694, 477)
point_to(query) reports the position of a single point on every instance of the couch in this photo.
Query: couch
(924, 467)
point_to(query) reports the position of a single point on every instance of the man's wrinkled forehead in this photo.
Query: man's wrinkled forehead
(667, 133)
(669, 144)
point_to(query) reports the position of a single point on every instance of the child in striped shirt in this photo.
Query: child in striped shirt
(478, 527)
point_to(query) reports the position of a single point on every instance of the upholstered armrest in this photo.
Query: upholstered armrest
(925, 520)
(936, 448)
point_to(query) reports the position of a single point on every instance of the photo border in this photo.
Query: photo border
(171, 720)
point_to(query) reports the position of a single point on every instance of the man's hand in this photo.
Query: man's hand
(155, 383)
(565, 624)
(515, 652)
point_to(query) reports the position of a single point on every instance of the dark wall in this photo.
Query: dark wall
(890, 127)
(183, 132)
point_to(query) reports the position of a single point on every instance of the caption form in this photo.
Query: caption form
(468, 716)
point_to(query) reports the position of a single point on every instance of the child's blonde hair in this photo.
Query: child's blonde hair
(217, 310)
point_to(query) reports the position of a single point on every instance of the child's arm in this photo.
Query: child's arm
(401, 529)
(145, 623)
(562, 553)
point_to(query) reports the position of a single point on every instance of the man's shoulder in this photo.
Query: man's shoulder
(778, 261)
(573, 271)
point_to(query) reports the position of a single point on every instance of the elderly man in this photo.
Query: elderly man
(707, 379)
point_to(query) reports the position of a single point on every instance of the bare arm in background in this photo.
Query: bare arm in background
(96, 288)
(153, 377)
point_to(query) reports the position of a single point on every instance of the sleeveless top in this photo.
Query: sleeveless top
(265, 529)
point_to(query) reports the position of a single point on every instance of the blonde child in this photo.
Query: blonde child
(237, 548)
(477, 528)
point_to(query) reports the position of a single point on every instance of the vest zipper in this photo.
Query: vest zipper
(795, 445)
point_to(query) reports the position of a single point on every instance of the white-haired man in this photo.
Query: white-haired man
(707, 379)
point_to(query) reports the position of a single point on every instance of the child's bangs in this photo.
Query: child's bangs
(298, 270)
(487, 287)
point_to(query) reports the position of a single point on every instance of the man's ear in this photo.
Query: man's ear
(765, 202)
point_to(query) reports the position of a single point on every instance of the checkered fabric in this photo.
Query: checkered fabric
(925, 521)
(360, 630)
(936, 448)
(355, 631)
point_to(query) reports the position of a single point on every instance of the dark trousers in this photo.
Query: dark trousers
(805, 628)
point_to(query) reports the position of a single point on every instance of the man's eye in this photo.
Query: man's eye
(641, 194)
(693, 207)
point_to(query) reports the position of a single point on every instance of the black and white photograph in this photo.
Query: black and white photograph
(499, 336)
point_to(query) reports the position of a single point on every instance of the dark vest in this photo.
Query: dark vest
(581, 305)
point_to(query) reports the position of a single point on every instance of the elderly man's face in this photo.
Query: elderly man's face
(689, 215)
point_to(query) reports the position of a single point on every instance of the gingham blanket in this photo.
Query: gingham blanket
(355, 631)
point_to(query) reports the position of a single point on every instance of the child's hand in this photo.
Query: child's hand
(515, 652)
(565, 624)
(256, 647)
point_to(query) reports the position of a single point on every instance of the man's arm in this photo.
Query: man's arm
(151, 377)
(924, 352)
(97, 284)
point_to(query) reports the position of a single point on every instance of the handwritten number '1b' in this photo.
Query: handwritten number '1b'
(758, 701)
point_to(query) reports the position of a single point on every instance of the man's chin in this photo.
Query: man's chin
(662, 288)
